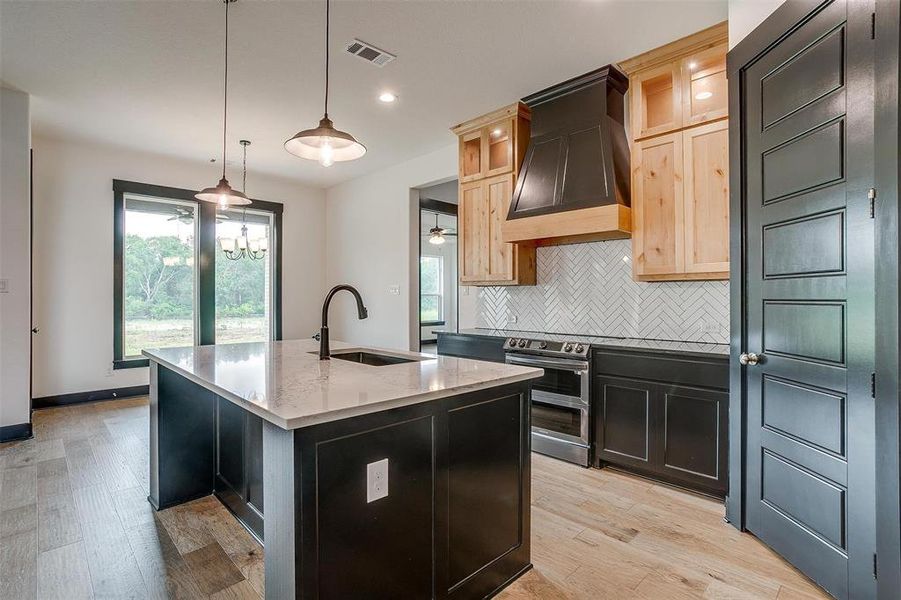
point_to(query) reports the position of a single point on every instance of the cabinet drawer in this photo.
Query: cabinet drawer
(700, 371)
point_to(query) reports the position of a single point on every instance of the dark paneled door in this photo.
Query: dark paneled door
(807, 127)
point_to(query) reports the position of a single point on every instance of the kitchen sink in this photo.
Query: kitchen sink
(371, 358)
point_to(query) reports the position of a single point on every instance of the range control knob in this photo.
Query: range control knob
(512, 342)
(580, 348)
(542, 345)
(567, 347)
(522, 343)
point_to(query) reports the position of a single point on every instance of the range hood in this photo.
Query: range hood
(574, 182)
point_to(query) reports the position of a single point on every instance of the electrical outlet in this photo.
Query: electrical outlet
(394, 290)
(377, 480)
(4, 286)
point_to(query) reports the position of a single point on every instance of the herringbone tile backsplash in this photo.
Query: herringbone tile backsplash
(588, 289)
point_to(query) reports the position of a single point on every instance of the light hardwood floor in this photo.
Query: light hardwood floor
(75, 523)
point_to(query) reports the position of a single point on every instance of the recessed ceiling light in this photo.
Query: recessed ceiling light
(692, 65)
(703, 95)
(497, 131)
(387, 97)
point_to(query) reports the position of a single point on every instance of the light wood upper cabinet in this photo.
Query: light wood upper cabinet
(706, 167)
(491, 151)
(657, 216)
(680, 159)
(656, 100)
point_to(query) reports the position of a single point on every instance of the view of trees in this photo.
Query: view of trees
(159, 281)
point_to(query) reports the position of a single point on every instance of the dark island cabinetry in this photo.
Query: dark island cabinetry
(663, 416)
(239, 463)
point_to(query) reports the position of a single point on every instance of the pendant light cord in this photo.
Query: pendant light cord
(225, 91)
(244, 181)
(327, 9)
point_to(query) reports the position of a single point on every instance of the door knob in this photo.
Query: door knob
(749, 358)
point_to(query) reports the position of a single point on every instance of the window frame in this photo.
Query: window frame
(205, 245)
(440, 295)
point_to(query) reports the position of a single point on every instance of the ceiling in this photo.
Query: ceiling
(148, 74)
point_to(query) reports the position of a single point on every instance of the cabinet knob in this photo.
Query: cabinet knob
(749, 358)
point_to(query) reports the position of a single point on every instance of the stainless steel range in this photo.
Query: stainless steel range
(561, 408)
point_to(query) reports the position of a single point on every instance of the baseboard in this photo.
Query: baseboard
(79, 397)
(11, 433)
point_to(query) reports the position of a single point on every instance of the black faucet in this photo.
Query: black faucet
(362, 313)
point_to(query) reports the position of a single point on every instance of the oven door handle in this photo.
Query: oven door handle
(580, 367)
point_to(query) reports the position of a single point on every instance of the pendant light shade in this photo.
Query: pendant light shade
(325, 144)
(223, 194)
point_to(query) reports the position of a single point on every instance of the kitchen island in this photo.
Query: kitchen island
(385, 474)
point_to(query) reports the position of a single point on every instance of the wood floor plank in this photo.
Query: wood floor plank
(113, 467)
(19, 487)
(18, 520)
(53, 477)
(133, 508)
(164, 570)
(58, 523)
(212, 568)
(63, 574)
(114, 571)
(18, 566)
(239, 591)
(186, 526)
(83, 468)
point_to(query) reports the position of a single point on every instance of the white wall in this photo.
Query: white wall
(73, 263)
(373, 244)
(15, 243)
(745, 15)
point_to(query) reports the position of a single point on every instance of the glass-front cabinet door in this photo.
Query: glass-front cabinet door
(244, 276)
(498, 141)
(704, 86)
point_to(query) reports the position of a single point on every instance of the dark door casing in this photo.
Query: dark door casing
(802, 130)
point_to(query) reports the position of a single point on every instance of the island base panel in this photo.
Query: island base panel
(182, 439)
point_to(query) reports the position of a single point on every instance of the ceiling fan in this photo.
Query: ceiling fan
(182, 215)
(187, 217)
(438, 234)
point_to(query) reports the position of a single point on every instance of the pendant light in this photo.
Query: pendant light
(325, 143)
(223, 194)
(236, 249)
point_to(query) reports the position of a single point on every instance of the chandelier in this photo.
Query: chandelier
(243, 246)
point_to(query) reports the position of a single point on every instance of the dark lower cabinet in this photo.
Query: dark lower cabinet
(239, 464)
(670, 432)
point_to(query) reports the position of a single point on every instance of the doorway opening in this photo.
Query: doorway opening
(438, 290)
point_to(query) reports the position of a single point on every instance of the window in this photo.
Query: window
(160, 279)
(244, 286)
(172, 288)
(431, 290)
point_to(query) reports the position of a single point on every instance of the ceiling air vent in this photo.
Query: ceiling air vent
(370, 53)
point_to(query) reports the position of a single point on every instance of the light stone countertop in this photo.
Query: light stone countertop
(286, 384)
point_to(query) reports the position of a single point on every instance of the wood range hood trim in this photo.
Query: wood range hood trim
(574, 183)
(608, 222)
